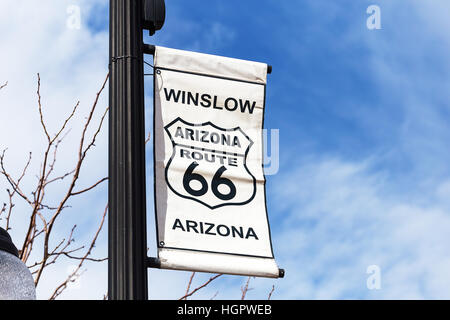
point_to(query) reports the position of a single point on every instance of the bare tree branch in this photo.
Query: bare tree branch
(214, 296)
(89, 188)
(81, 157)
(43, 217)
(200, 287)
(62, 177)
(40, 107)
(271, 292)
(11, 181)
(189, 284)
(245, 289)
(74, 275)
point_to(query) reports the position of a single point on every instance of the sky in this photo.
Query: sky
(362, 115)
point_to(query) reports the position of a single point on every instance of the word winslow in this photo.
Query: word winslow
(209, 101)
(214, 230)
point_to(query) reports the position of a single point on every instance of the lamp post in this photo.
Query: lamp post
(16, 281)
(127, 237)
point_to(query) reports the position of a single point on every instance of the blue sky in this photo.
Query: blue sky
(363, 118)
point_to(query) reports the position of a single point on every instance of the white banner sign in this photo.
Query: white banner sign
(209, 183)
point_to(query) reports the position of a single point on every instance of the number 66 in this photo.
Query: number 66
(218, 180)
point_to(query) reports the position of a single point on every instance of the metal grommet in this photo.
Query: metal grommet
(158, 71)
(162, 244)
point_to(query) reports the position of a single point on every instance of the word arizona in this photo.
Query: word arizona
(214, 230)
(208, 137)
(208, 101)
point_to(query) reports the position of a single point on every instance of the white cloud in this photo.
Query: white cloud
(339, 220)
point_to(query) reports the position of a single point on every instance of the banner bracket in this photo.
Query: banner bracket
(153, 263)
(150, 49)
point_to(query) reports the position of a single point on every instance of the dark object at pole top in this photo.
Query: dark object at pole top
(6, 243)
(154, 15)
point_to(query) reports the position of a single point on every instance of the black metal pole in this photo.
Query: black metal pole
(127, 240)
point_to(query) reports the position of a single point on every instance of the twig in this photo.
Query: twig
(73, 275)
(200, 287)
(245, 289)
(40, 108)
(89, 188)
(190, 283)
(3, 209)
(214, 296)
(271, 292)
(62, 177)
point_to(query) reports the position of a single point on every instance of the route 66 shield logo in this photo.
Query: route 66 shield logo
(208, 164)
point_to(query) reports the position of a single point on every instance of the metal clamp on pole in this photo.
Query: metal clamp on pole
(149, 49)
(153, 263)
